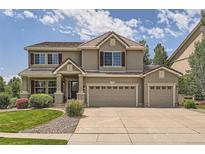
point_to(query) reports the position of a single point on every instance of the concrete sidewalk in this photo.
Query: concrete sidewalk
(37, 136)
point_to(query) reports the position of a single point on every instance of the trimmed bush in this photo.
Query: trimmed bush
(40, 100)
(74, 108)
(4, 100)
(22, 103)
(12, 102)
(189, 104)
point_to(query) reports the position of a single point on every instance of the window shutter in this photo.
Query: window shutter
(32, 86)
(123, 58)
(101, 58)
(60, 58)
(32, 58)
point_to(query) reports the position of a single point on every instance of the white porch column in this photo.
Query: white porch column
(59, 83)
(80, 94)
(80, 81)
(59, 94)
(25, 93)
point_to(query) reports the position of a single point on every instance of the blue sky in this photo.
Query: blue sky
(19, 28)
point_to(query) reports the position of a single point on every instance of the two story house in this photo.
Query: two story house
(102, 72)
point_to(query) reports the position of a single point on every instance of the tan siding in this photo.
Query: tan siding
(135, 61)
(74, 55)
(154, 78)
(181, 66)
(90, 59)
(181, 61)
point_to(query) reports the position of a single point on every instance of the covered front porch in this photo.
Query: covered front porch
(63, 83)
(69, 87)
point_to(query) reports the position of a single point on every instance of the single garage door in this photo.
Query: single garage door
(161, 96)
(112, 96)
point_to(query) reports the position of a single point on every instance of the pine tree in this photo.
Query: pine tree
(197, 64)
(160, 55)
(146, 58)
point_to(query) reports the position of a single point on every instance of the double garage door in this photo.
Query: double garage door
(112, 96)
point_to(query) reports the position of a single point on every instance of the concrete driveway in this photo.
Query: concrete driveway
(140, 126)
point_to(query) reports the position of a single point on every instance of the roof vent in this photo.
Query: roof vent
(112, 42)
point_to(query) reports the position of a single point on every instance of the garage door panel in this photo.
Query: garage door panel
(112, 96)
(161, 96)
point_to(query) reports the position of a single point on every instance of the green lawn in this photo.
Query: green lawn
(16, 121)
(24, 141)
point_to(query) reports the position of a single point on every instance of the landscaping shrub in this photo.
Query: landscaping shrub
(4, 100)
(12, 103)
(74, 108)
(22, 103)
(40, 100)
(189, 104)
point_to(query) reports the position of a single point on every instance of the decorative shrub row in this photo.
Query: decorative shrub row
(74, 108)
(35, 101)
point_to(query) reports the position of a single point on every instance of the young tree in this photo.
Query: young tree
(160, 55)
(2, 84)
(15, 86)
(197, 64)
(146, 58)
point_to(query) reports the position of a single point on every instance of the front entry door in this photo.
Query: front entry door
(73, 89)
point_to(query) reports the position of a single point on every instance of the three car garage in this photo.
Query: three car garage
(156, 88)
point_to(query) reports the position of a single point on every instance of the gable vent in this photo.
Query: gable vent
(112, 42)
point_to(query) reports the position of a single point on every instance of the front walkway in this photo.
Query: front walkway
(37, 136)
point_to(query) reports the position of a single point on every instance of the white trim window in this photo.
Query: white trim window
(53, 58)
(112, 58)
(40, 58)
(40, 86)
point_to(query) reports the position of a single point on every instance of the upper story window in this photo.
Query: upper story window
(53, 59)
(112, 58)
(40, 58)
(46, 58)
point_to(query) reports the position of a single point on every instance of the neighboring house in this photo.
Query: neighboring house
(105, 71)
(179, 59)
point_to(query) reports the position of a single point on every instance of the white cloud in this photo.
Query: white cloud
(51, 18)
(29, 14)
(156, 32)
(91, 23)
(173, 33)
(9, 13)
(182, 19)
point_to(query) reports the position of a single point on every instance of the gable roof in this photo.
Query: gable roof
(68, 60)
(153, 68)
(184, 42)
(96, 42)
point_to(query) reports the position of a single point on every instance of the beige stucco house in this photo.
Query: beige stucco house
(179, 59)
(105, 71)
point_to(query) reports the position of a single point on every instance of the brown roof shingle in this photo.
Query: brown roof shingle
(57, 44)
